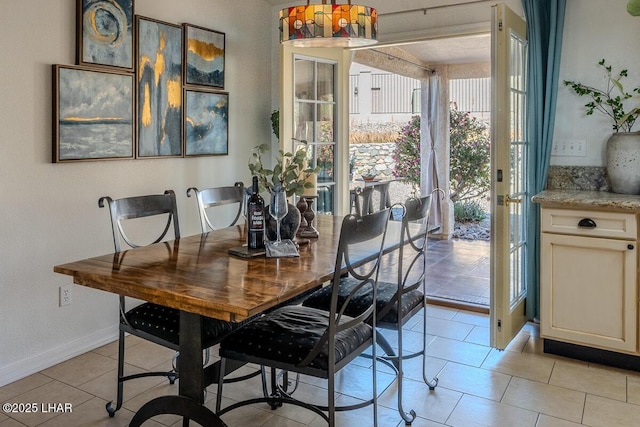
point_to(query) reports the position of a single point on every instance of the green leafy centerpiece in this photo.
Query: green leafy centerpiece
(623, 147)
(290, 173)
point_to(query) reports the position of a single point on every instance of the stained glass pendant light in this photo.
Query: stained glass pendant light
(329, 25)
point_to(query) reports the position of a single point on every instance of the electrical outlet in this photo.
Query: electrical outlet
(569, 148)
(65, 295)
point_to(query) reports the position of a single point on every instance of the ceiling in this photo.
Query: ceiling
(450, 50)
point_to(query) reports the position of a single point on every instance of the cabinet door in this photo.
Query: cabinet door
(588, 291)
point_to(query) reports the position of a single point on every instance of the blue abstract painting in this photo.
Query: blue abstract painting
(204, 56)
(206, 123)
(105, 32)
(159, 88)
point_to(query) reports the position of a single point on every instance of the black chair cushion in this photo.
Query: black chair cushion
(288, 334)
(362, 299)
(164, 322)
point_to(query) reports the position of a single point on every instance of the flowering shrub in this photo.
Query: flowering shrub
(470, 169)
(470, 157)
(407, 153)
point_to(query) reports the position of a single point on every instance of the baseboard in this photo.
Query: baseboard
(51, 357)
(590, 354)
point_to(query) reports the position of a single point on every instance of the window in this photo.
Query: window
(314, 121)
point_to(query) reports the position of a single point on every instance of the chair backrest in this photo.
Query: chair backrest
(217, 196)
(130, 208)
(412, 254)
(361, 237)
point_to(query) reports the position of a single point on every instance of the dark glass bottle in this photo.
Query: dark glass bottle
(255, 216)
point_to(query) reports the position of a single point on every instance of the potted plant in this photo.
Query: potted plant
(291, 174)
(290, 170)
(623, 147)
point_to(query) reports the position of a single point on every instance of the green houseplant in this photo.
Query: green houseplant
(290, 170)
(290, 173)
(611, 100)
(623, 147)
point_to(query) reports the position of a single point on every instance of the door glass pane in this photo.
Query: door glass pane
(518, 160)
(325, 82)
(325, 162)
(314, 121)
(325, 123)
(325, 199)
(304, 79)
(303, 121)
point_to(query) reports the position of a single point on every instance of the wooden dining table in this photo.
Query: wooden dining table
(198, 276)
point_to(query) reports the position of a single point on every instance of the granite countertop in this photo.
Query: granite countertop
(587, 199)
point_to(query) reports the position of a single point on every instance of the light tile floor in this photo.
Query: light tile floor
(479, 386)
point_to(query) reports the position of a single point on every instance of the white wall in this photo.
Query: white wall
(593, 30)
(49, 212)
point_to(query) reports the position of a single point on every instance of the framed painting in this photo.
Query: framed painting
(206, 123)
(105, 31)
(203, 56)
(92, 114)
(159, 88)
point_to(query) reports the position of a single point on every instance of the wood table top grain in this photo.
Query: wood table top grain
(198, 275)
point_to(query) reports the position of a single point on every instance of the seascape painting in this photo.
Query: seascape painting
(159, 89)
(204, 56)
(206, 123)
(105, 32)
(93, 114)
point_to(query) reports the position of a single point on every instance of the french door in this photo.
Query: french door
(315, 108)
(509, 187)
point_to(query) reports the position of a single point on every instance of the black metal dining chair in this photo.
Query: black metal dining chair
(217, 196)
(317, 342)
(152, 322)
(397, 301)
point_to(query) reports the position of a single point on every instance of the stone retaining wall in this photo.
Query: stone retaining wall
(373, 158)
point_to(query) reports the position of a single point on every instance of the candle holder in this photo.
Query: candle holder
(305, 205)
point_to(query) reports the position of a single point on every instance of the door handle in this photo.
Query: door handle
(508, 200)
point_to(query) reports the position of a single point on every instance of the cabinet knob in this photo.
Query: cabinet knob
(587, 223)
(630, 247)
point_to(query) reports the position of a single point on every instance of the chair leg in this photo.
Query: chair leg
(110, 409)
(433, 383)
(375, 377)
(220, 384)
(411, 415)
(331, 398)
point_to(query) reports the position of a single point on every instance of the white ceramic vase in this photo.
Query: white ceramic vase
(623, 162)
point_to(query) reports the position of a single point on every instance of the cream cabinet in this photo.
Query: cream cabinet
(588, 282)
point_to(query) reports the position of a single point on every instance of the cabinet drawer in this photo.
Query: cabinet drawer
(614, 225)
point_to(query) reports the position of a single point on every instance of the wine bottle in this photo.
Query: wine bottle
(255, 216)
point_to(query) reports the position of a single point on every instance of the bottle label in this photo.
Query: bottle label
(256, 216)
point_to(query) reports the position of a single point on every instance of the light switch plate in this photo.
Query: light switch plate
(569, 148)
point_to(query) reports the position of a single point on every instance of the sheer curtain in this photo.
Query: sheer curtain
(429, 134)
(545, 21)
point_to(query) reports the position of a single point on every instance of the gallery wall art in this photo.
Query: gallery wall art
(206, 123)
(159, 96)
(92, 114)
(141, 89)
(204, 51)
(105, 31)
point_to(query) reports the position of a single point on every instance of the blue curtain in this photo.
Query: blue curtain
(545, 20)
